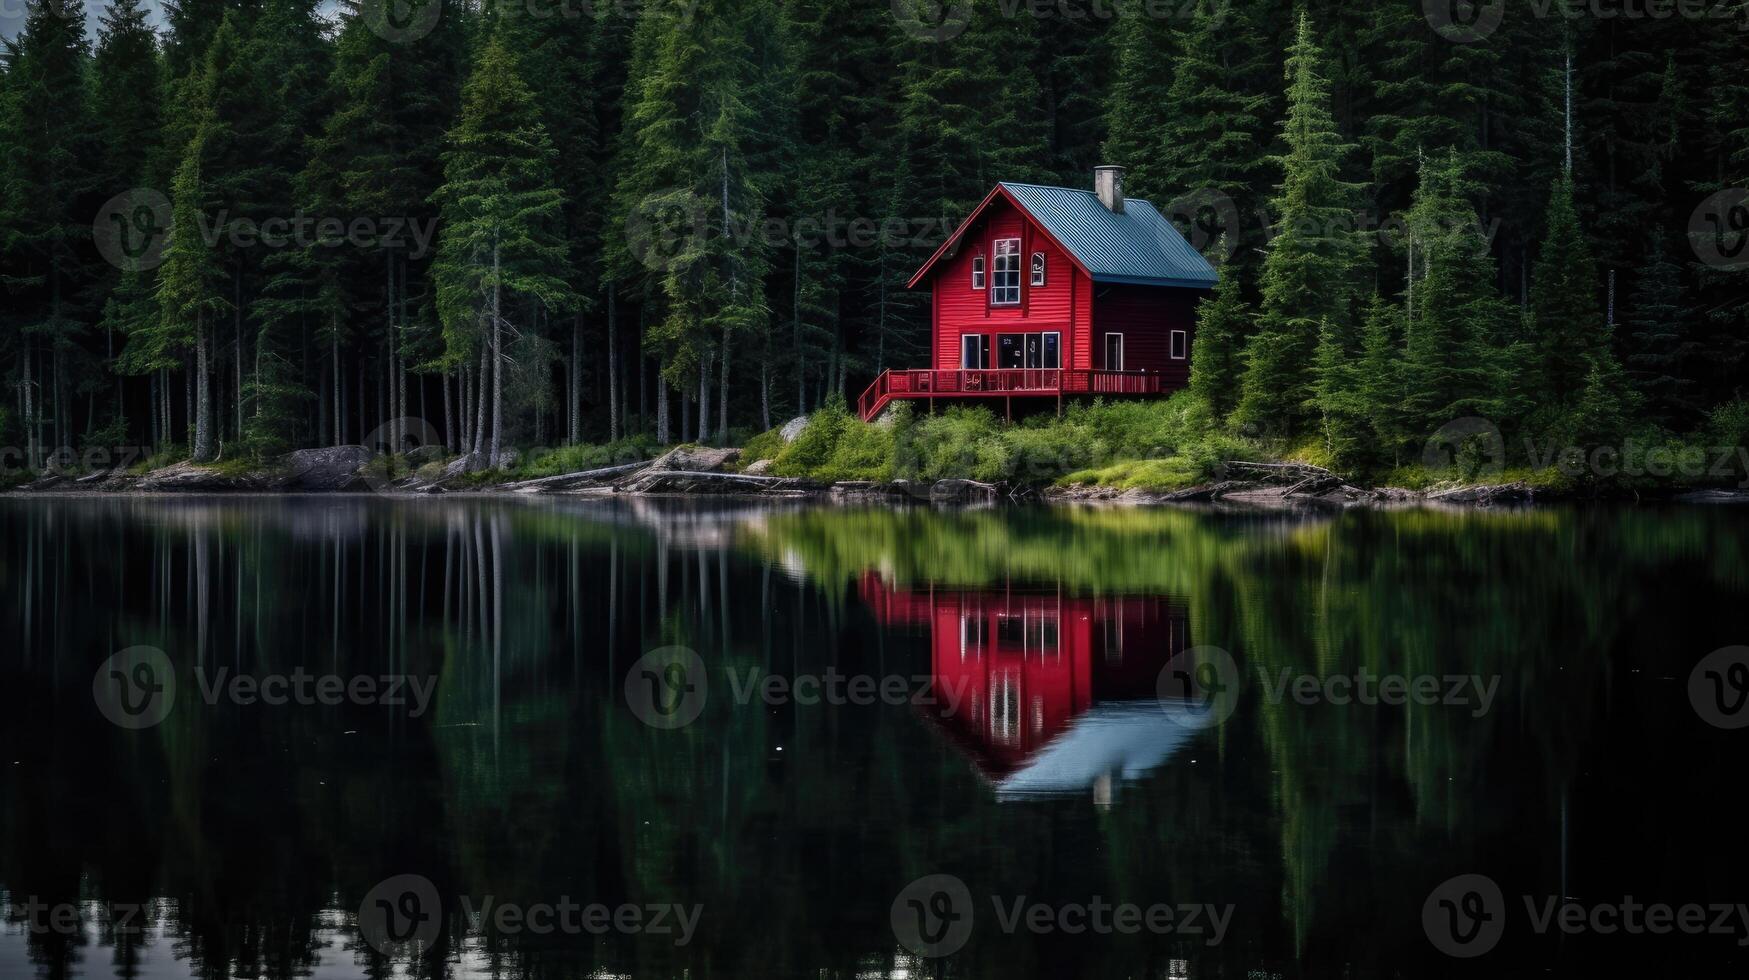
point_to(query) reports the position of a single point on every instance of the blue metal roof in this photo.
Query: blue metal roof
(1139, 246)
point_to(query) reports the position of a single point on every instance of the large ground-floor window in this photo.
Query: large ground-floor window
(1030, 350)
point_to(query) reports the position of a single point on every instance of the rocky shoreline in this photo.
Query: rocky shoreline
(695, 471)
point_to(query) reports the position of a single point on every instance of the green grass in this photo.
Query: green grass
(1156, 475)
(583, 456)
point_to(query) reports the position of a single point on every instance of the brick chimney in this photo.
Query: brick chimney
(1108, 186)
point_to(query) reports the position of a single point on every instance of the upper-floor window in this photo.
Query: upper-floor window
(977, 272)
(1005, 276)
(1038, 268)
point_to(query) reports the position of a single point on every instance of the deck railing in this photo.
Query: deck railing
(929, 383)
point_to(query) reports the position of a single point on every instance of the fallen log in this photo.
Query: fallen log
(1210, 492)
(565, 480)
(1483, 496)
(688, 481)
(1279, 472)
(1313, 486)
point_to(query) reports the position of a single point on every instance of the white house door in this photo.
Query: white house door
(975, 351)
(1114, 352)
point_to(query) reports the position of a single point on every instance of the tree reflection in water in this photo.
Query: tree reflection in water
(248, 834)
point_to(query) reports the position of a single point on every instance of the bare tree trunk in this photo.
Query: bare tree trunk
(765, 395)
(661, 411)
(704, 399)
(480, 396)
(448, 414)
(723, 391)
(203, 435)
(573, 410)
(339, 376)
(613, 385)
(497, 360)
(30, 425)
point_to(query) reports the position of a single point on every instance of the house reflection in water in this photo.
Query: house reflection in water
(1049, 694)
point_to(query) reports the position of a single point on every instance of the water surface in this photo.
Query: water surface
(240, 839)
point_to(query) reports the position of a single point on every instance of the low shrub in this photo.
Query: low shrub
(585, 456)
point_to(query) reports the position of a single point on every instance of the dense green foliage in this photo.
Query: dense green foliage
(683, 219)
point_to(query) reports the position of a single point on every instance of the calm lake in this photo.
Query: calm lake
(361, 737)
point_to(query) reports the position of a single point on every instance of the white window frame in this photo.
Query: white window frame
(1108, 339)
(1005, 272)
(977, 272)
(1180, 344)
(1038, 268)
(1043, 347)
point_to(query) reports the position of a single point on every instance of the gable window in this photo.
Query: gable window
(1038, 268)
(1005, 276)
(1180, 342)
(977, 272)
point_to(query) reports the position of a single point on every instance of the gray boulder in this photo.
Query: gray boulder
(793, 428)
(696, 459)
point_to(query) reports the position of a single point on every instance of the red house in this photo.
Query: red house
(1048, 694)
(1044, 292)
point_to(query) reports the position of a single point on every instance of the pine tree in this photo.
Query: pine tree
(125, 80)
(1665, 360)
(1380, 383)
(1457, 319)
(1215, 134)
(49, 156)
(1222, 322)
(1566, 321)
(1141, 110)
(190, 293)
(1309, 273)
(500, 211)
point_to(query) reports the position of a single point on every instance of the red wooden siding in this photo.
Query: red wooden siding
(1062, 304)
(1146, 316)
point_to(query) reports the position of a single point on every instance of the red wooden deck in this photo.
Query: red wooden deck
(1004, 383)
